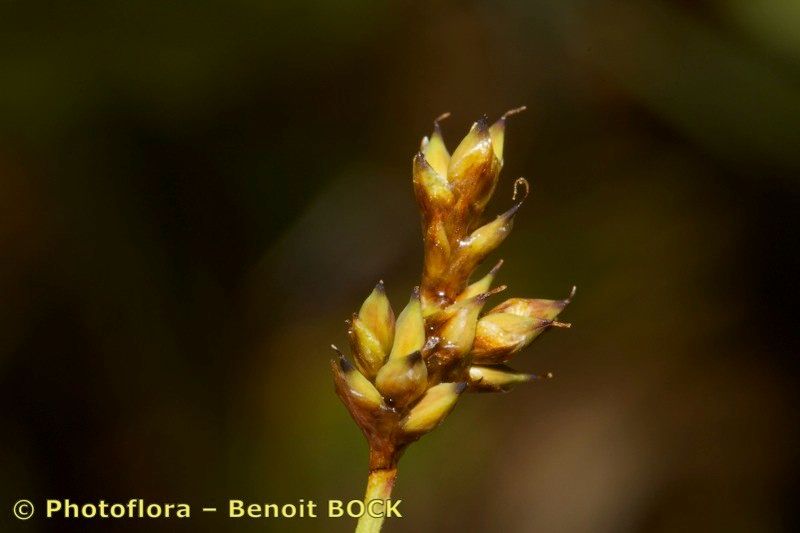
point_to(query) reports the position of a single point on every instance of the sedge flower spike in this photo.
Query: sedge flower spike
(409, 370)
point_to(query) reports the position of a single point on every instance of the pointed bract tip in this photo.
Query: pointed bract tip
(481, 126)
(556, 324)
(460, 387)
(380, 287)
(572, 293)
(440, 118)
(514, 111)
(517, 183)
(415, 293)
(496, 268)
(337, 350)
(511, 211)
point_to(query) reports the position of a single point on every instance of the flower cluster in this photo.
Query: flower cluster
(410, 370)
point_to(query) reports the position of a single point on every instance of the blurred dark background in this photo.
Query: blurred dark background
(195, 195)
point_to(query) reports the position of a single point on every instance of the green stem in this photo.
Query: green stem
(379, 487)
